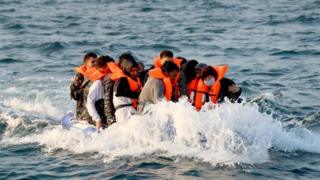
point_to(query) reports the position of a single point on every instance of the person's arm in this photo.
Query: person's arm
(92, 97)
(75, 92)
(122, 88)
(182, 83)
(109, 109)
(229, 89)
(157, 91)
(75, 87)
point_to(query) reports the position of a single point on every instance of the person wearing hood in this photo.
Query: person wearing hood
(126, 87)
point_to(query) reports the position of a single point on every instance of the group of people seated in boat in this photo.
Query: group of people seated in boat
(108, 90)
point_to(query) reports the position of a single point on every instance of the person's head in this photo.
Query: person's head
(129, 65)
(198, 69)
(89, 59)
(209, 75)
(165, 56)
(101, 63)
(189, 71)
(183, 60)
(171, 70)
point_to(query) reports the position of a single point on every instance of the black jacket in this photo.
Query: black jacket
(122, 89)
(224, 92)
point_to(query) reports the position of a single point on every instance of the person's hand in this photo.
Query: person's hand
(233, 88)
(98, 125)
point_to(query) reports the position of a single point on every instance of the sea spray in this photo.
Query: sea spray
(223, 134)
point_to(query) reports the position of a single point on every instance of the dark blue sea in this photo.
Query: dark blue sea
(273, 51)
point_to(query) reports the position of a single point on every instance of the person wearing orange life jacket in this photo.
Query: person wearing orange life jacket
(165, 56)
(127, 87)
(179, 85)
(213, 87)
(159, 85)
(158, 61)
(80, 81)
(193, 75)
(94, 92)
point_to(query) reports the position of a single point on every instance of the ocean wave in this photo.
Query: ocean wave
(50, 47)
(227, 134)
(306, 19)
(9, 61)
(37, 105)
(291, 53)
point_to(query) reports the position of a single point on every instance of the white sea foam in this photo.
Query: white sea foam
(39, 105)
(227, 134)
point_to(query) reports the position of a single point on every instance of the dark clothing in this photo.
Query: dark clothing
(122, 89)
(124, 99)
(224, 92)
(109, 109)
(183, 89)
(143, 76)
(100, 109)
(76, 87)
(79, 90)
(182, 84)
(82, 111)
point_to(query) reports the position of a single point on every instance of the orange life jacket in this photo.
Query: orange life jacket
(157, 62)
(158, 74)
(135, 85)
(81, 69)
(213, 91)
(114, 67)
(192, 86)
(93, 74)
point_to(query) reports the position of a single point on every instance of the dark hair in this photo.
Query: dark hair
(166, 53)
(190, 70)
(103, 60)
(207, 71)
(89, 55)
(126, 62)
(183, 60)
(169, 67)
(141, 64)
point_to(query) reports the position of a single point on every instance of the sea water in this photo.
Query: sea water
(272, 48)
